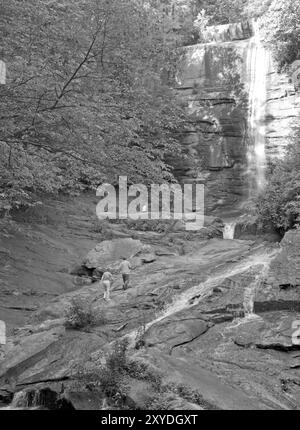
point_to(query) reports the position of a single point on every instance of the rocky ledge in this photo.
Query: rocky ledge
(210, 324)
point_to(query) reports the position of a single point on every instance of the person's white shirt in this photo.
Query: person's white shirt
(125, 267)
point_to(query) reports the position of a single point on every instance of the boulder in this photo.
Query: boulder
(278, 333)
(40, 398)
(228, 32)
(22, 353)
(174, 331)
(108, 252)
(285, 268)
(273, 331)
(5, 397)
(250, 229)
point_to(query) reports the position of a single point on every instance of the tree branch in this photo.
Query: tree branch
(57, 151)
(74, 74)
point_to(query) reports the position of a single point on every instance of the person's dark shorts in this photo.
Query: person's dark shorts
(125, 281)
(125, 278)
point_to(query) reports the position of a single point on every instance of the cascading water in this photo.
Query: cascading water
(257, 65)
(250, 292)
(229, 231)
(194, 295)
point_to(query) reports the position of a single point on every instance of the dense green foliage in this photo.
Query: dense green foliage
(281, 28)
(222, 12)
(279, 204)
(80, 315)
(278, 19)
(87, 96)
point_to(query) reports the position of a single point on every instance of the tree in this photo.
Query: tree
(222, 11)
(85, 100)
(200, 24)
(280, 202)
(281, 30)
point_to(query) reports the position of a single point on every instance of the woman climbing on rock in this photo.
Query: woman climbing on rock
(106, 282)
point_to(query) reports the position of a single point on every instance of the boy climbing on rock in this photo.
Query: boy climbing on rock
(125, 269)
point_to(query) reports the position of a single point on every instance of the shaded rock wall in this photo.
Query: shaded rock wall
(229, 32)
(213, 90)
(283, 110)
(285, 269)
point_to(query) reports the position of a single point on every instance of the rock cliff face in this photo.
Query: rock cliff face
(212, 89)
(285, 269)
(229, 32)
(214, 318)
(216, 85)
(189, 318)
(283, 109)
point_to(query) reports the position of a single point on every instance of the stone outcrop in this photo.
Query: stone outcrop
(282, 112)
(184, 315)
(185, 319)
(228, 32)
(285, 269)
(109, 252)
(249, 228)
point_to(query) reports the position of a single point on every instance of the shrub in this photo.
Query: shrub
(140, 335)
(280, 202)
(191, 395)
(79, 315)
(112, 375)
(281, 31)
(144, 372)
(111, 379)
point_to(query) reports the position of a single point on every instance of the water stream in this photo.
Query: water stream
(259, 262)
(250, 291)
(229, 230)
(257, 68)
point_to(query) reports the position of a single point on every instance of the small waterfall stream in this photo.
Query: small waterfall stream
(258, 62)
(229, 231)
(250, 291)
(194, 295)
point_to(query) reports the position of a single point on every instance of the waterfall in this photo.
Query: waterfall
(257, 66)
(250, 292)
(20, 402)
(40, 398)
(195, 294)
(229, 230)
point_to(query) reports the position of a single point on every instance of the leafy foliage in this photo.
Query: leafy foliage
(87, 97)
(280, 202)
(79, 315)
(281, 27)
(201, 23)
(256, 8)
(111, 376)
(222, 12)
